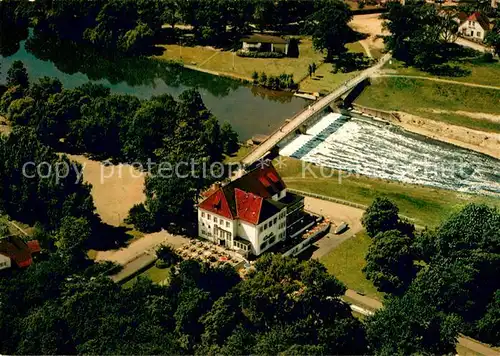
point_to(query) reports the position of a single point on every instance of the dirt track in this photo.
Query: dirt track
(115, 188)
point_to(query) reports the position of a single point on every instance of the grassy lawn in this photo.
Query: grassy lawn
(222, 61)
(155, 274)
(420, 97)
(347, 261)
(480, 72)
(427, 206)
(238, 156)
(325, 80)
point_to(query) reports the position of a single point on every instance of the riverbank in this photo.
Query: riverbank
(428, 206)
(487, 143)
(427, 98)
(218, 62)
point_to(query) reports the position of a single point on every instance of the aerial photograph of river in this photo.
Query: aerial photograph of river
(382, 151)
(250, 110)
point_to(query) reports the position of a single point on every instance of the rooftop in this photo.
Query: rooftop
(261, 38)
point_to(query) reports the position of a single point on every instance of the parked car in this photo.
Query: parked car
(341, 228)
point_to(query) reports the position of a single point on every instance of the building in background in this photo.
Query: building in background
(475, 27)
(14, 251)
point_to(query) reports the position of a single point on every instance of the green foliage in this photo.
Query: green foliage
(17, 75)
(30, 196)
(409, 325)
(167, 255)
(493, 37)
(280, 82)
(489, 325)
(259, 54)
(389, 262)
(380, 216)
(329, 29)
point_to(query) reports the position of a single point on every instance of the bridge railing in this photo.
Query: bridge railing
(316, 107)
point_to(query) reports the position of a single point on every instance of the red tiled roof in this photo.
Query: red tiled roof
(34, 246)
(476, 16)
(248, 206)
(17, 250)
(217, 204)
(246, 196)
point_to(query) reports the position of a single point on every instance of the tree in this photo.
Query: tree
(72, 238)
(409, 325)
(380, 216)
(167, 255)
(475, 227)
(415, 33)
(489, 325)
(493, 37)
(229, 139)
(17, 75)
(329, 29)
(389, 262)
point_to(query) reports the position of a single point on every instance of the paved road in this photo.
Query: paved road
(304, 115)
(361, 301)
(466, 43)
(438, 80)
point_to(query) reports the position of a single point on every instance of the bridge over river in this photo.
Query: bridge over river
(308, 113)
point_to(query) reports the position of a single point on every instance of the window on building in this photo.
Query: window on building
(260, 229)
(227, 223)
(215, 220)
(265, 226)
(202, 214)
(275, 220)
(479, 34)
(263, 245)
(208, 216)
(270, 223)
(271, 241)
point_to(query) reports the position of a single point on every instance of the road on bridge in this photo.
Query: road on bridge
(304, 115)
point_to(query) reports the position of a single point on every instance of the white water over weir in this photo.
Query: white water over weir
(384, 151)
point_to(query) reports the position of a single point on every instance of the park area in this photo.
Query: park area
(227, 63)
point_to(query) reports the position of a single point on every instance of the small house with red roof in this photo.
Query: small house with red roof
(475, 27)
(249, 214)
(14, 251)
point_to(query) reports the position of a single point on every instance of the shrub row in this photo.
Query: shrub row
(257, 54)
(282, 81)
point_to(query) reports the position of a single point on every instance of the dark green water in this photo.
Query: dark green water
(250, 110)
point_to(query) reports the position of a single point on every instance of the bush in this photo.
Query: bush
(283, 81)
(161, 264)
(167, 255)
(257, 54)
(488, 57)
(141, 218)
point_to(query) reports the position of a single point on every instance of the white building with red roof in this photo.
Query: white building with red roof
(475, 27)
(250, 214)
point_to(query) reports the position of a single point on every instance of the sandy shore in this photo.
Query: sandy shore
(480, 141)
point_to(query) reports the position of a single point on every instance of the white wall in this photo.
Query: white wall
(4, 262)
(278, 229)
(470, 29)
(206, 226)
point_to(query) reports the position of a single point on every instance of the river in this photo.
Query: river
(250, 110)
(384, 151)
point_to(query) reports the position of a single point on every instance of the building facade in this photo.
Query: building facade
(475, 27)
(250, 214)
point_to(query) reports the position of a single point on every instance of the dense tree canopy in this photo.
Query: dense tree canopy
(329, 29)
(456, 289)
(176, 140)
(389, 262)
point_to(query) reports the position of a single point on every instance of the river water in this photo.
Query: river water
(250, 110)
(383, 151)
